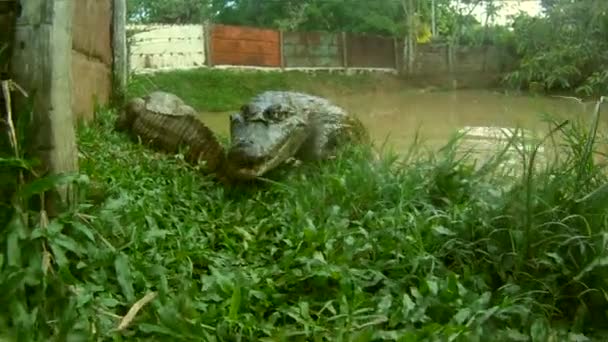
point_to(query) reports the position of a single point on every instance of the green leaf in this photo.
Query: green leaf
(46, 183)
(441, 230)
(433, 287)
(235, 303)
(59, 255)
(385, 304)
(109, 302)
(13, 245)
(155, 329)
(15, 162)
(462, 315)
(88, 233)
(68, 243)
(408, 305)
(123, 275)
(539, 330)
(573, 337)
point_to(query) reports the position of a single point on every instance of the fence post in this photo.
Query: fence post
(450, 56)
(42, 65)
(344, 51)
(119, 47)
(207, 27)
(281, 42)
(396, 53)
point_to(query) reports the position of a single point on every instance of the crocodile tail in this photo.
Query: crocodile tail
(202, 144)
(174, 133)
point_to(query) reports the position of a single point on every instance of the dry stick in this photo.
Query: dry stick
(7, 86)
(12, 135)
(46, 255)
(134, 309)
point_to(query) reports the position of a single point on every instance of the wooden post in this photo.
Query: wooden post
(396, 53)
(281, 49)
(344, 51)
(450, 56)
(119, 47)
(207, 27)
(42, 65)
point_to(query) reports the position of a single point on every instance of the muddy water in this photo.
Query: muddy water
(396, 116)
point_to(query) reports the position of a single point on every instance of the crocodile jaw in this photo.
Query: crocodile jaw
(259, 147)
(279, 155)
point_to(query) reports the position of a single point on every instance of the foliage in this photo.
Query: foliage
(31, 291)
(566, 50)
(167, 11)
(426, 248)
(385, 17)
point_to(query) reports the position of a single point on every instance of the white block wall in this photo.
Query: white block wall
(167, 47)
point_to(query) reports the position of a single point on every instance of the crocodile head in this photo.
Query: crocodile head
(264, 134)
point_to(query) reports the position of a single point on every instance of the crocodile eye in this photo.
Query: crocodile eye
(234, 117)
(286, 112)
(272, 113)
(246, 110)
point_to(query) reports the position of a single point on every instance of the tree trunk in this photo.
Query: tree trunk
(433, 19)
(119, 46)
(42, 65)
(410, 40)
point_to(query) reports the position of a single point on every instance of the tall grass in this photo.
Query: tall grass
(425, 248)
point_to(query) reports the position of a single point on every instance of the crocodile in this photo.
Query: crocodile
(273, 128)
(165, 122)
(276, 126)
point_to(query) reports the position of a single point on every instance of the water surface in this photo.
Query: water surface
(394, 117)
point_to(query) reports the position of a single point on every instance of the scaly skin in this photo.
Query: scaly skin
(164, 122)
(274, 127)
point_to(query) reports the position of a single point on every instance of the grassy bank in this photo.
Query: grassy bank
(423, 249)
(223, 90)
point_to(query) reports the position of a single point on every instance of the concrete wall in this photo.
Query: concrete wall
(471, 66)
(312, 49)
(233, 45)
(91, 56)
(167, 46)
(370, 51)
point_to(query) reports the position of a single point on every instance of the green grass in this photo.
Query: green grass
(223, 90)
(418, 249)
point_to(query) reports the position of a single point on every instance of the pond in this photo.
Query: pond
(394, 117)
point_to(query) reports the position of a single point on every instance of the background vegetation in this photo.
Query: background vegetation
(564, 50)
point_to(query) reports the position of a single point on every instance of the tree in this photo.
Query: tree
(383, 17)
(564, 50)
(168, 11)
